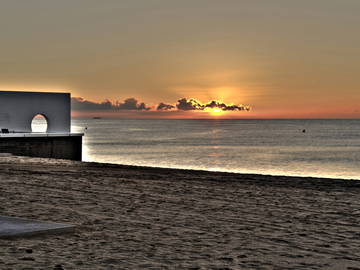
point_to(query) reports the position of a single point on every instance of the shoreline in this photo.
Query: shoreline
(189, 170)
(131, 217)
(305, 181)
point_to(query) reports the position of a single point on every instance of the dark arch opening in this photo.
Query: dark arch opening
(39, 123)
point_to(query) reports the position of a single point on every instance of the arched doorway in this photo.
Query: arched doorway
(39, 123)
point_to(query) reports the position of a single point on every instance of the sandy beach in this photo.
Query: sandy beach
(151, 218)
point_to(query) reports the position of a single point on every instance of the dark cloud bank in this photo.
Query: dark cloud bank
(80, 104)
(132, 104)
(164, 107)
(192, 104)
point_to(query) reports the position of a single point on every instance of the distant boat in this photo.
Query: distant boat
(96, 117)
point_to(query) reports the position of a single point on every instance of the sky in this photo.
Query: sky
(272, 58)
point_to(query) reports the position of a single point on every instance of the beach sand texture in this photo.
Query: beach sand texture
(149, 218)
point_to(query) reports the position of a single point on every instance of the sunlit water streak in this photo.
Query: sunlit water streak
(328, 148)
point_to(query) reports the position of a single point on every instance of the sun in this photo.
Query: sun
(215, 111)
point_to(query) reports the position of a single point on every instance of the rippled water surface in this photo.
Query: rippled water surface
(328, 148)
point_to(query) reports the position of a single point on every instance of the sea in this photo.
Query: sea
(317, 148)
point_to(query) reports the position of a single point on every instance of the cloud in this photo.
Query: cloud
(164, 107)
(191, 104)
(225, 107)
(80, 104)
(132, 104)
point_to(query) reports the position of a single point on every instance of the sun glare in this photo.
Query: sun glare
(215, 111)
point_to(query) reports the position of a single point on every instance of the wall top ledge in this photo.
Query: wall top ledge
(20, 135)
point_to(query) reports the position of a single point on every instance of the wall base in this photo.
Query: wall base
(63, 147)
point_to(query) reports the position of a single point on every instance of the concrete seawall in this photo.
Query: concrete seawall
(59, 146)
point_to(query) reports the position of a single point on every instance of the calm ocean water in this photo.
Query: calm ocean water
(328, 148)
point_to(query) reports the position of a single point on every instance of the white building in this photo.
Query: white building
(18, 109)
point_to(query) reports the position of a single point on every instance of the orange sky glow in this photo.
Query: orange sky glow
(284, 59)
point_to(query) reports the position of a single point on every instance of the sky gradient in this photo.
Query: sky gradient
(285, 59)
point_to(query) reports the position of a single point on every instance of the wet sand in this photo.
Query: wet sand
(151, 218)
